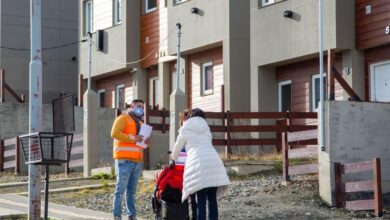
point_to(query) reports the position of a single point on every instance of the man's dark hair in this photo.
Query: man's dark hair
(137, 100)
(196, 112)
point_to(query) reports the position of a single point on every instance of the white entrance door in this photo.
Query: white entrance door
(380, 82)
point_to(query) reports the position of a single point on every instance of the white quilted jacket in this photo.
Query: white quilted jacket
(203, 168)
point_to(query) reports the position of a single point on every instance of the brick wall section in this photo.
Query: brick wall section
(370, 28)
(300, 75)
(195, 98)
(150, 29)
(109, 84)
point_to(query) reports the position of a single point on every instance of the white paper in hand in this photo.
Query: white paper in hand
(145, 131)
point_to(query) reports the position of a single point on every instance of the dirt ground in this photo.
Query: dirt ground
(256, 197)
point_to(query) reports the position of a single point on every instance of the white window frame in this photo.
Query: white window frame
(147, 9)
(313, 100)
(117, 87)
(173, 80)
(151, 91)
(117, 12)
(176, 2)
(88, 17)
(203, 78)
(372, 79)
(100, 91)
(280, 85)
(263, 3)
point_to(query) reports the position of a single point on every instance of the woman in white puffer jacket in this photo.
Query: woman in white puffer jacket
(204, 172)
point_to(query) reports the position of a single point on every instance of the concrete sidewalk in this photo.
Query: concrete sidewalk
(11, 204)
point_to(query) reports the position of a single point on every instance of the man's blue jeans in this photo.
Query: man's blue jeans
(127, 175)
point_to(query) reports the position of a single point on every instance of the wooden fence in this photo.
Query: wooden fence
(9, 154)
(299, 145)
(76, 158)
(5, 87)
(348, 187)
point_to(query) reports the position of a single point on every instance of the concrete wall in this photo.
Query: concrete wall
(355, 132)
(14, 121)
(276, 38)
(59, 26)
(198, 30)
(121, 41)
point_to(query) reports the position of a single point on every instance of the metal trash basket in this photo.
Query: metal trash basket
(46, 148)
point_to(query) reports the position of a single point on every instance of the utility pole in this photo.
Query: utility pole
(178, 97)
(321, 104)
(35, 107)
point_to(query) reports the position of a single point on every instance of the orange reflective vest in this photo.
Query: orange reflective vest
(128, 149)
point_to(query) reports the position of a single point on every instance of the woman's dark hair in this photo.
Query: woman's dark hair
(196, 112)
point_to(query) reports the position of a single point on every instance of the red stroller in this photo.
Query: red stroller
(166, 199)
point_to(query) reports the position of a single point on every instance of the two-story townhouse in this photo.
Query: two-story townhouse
(215, 52)
(285, 52)
(59, 47)
(133, 43)
(115, 28)
(373, 37)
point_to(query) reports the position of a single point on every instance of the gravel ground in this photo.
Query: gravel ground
(10, 177)
(259, 197)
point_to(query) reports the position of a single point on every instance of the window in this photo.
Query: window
(101, 98)
(267, 2)
(284, 96)
(153, 91)
(88, 18)
(173, 80)
(176, 2)
(150, 5)
(120, 97)
(207, 78)
(117, 11)
(315, 90)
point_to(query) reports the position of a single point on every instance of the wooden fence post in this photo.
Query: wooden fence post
(228, 151)
(1, 156)
(338, 167)
(330, 76)
(147, 150)
(281, 124)
(377, 186)
(17, 155)
(285, 177)
(2, 85)
(163, 117)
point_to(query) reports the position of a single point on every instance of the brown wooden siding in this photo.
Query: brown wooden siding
(300, 75)
(371, 56)
(195, 99)
(109, 85)
(150, 28)
(370, 28)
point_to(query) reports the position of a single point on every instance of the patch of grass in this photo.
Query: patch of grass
(146, 187)
(103, 176)
(18, 217)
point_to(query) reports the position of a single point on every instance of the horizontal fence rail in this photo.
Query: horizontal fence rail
(373, 185)
(10, 155)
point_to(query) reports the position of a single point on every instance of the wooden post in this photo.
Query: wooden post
(147, 150)
(228, 150)
(281, 124)
(2, 85)
(285, 177)
(118, 112)
(330, 77)
(1, 156)
(81, 90)
(338, 167)
(377, 186)
(17, 155)
(163, 117)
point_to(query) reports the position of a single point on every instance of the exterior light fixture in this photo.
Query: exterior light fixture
(194, 10)
(288, 14)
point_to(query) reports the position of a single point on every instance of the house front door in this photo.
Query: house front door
(380, 82)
